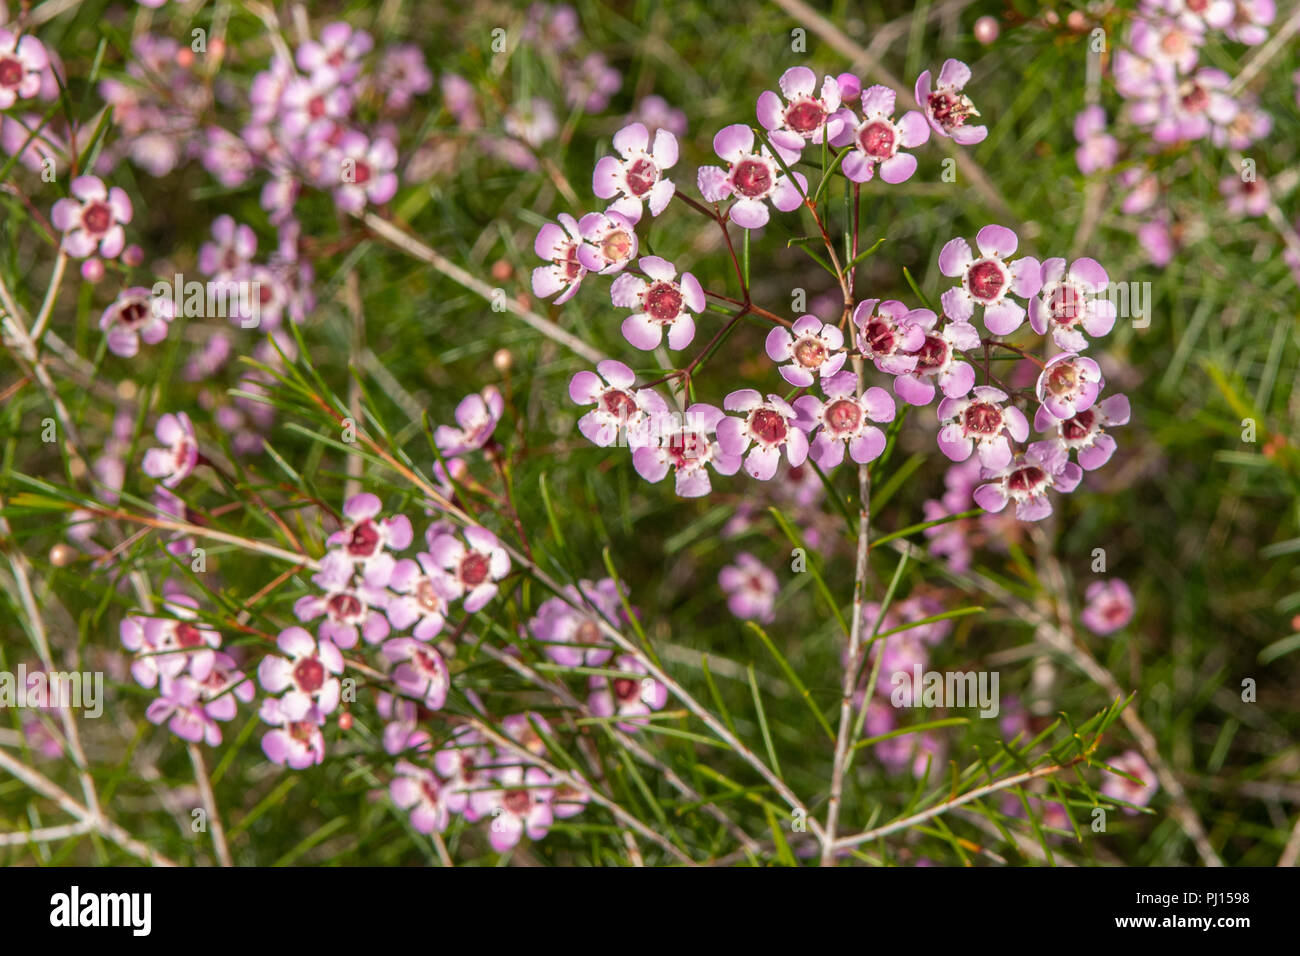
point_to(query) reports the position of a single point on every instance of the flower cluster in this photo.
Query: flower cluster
(1170, 96)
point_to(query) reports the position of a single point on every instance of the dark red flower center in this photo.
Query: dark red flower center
(982, 418)
(361, 172)
(986, 279)
(344, 606)
(641, 176)
(932, 354)
(663, 302)
(1066, 305)
(1078, 427)
(948, 110)
(587, 632)
(805, 116)
(11, 72)
(429, 790)
(878, 139)
(687, 448)
(1195, 98)
(364, 540)
(752, 178)
(619, 404)
(626, 689)
(517, 801)
(768, 426)
(843, 415)
(97, 217)
(187, 635)
(1026, 479)
(880, 337)
(309, 675)
(474, 569)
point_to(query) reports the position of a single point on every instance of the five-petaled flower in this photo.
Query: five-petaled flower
(179, 455)
(878, 139)
(946, 107)
(1070, 299)
(621, 413)
(844, 419)
(981, 421)
(471, 567)
(806, 116)
(1026, 480)
(752, 177)
(662, 302)
(91, 221)
(1068, 384)
(637, 178)
(809, 348)
(563, 273)
(685, 446)
(769, 426)
(305, 677)
(633, 695)
(989, 279)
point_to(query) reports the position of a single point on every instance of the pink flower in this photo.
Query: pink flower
(166, 646)
(1097, 150)
(348, 610)
(936, 360)
(878, 140)
(1189, 110)
(179, 455)
(989, 279)
(810, 348)
(1245, 197)
(609, 242)
(1119, 788)
(572, 634)
(663, 303)
(1250, 18)
(304, 676)
(363, 539)
(419, 599)
(1085, 433)
(804, 117)
(337, 56)
(889, 334)
(472, 568)
(477, 415)
(401, 730)
(638, 177)
(419, 791)
(843, 420)
(1068, 384)
(946, 108)
(91, 221)
(1110, 606)
(1026, 481)
(419, 671)
(1169, 43)
(521, 805)
(558, 245)
(768, 426)
(229, 256)
(621, 413)
(134, 315)
(688, 450)
(752, 177)
(297, 744)
(980, 421)
(464, 763)
(181, 702)
(23, 60)
(751, 588)
(365, 172)
(632, 697)
(1070, 299)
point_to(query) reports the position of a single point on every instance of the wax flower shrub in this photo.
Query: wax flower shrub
(581, 436)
